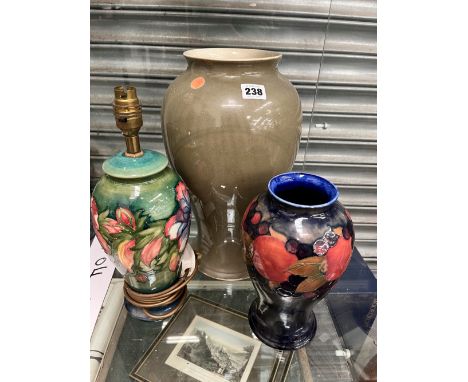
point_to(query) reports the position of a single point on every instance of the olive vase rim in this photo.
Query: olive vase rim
(233, 55)
(303, 190)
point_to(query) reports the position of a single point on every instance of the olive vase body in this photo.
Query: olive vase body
(141, 216)
(226, 144)
(298, 240)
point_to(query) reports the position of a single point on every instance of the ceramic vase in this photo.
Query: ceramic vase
(141, 209)
(230, 122)
(298, 240)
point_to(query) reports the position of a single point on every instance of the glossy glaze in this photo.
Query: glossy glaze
(225, 147)
(141, 217)
(298, 240)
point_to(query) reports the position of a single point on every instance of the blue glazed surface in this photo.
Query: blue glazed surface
(320, 192)
(298, 241)
(121, 166)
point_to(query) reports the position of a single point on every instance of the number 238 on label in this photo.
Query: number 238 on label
(253, 91)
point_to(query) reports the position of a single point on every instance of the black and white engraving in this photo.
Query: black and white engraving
(211, 352)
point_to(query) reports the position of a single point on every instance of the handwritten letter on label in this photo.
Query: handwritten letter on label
(101, 270)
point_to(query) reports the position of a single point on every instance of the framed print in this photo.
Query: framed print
(214, 353)
(207, 342)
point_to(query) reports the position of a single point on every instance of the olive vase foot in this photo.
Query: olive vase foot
(223, 263)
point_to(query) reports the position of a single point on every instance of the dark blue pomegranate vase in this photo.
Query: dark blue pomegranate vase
(298, 240)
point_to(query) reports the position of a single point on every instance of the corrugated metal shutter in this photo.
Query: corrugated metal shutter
(329, 54)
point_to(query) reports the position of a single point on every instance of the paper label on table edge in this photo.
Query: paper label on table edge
(101, 271)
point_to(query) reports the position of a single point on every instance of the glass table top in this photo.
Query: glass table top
(343, 349)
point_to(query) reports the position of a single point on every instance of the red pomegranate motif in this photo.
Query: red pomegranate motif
(338, 258)
(271, 259)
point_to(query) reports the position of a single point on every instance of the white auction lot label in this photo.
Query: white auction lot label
(253, 91)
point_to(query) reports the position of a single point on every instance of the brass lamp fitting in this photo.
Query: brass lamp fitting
(127, 113)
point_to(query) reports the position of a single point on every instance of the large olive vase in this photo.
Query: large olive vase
(230, 122)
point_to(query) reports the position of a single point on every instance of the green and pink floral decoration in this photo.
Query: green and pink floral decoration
(143, 246)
